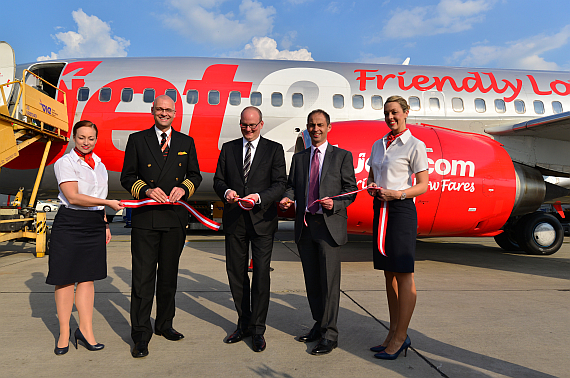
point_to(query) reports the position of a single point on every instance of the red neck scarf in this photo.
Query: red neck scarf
(391, 137)
(88, 157)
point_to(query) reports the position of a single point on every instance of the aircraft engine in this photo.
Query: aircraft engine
(474, 187)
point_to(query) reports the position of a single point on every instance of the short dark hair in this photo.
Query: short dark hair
(321, 111)
(252, 107)
(85, 123)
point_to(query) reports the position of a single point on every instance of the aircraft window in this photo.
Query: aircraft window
(377, 102)
(538, 107)
(171, 93)
(235, 98)
(127, 95)
(105, 95)
(414, 103)
(83, 94)
(297, 100)
(213, 97)
(192, 96)
(255, 99)
(500, 106)
(338, 101)
(519, 106)
(148, 95)
(276, 99)
(434, 103)
(457, 104)
(480, 105)
(357, 101)
(556, 107)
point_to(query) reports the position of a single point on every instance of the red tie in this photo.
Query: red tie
(391, 137)
(314, 183)
(88, 157)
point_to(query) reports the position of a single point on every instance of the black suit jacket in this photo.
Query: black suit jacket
(267, 177)
(144, 168)
(337, 177)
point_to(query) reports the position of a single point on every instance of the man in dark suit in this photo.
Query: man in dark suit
(318, 173)
(158, 161)
(250, 168)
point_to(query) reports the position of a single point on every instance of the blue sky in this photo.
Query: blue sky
(476, 33)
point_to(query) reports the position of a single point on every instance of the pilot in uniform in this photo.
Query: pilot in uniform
(158, 231)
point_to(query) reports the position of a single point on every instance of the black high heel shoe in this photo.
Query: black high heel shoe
(378, 348)
(385, 356)
(79, 336)
(61, 351)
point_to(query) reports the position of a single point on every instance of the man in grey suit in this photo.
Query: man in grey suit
(318, 173)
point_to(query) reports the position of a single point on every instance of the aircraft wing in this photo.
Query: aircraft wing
(542, 142)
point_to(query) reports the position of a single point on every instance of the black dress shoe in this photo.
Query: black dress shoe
(237, 336)
(170, 334)
(313, 335)
(324, 346)
(258, 343)
(140, 349)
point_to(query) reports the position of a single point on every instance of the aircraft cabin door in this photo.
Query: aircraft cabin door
(7, 69)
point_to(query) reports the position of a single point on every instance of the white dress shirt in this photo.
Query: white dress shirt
(91, 182)
(254, 144)
(322, 150)
(392, 168)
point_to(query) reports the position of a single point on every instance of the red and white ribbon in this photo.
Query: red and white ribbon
(246, 203)
(382, 223)
(150, 202)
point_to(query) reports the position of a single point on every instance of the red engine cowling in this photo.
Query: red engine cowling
(472, 186)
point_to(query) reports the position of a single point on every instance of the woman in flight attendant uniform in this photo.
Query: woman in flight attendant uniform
(393, 160)
(78, 236)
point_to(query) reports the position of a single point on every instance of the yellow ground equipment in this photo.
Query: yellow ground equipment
(34, 117)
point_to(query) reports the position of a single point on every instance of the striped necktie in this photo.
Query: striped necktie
(247, 162)
(165, 152)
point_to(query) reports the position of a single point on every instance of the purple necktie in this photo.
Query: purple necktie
(314, 183)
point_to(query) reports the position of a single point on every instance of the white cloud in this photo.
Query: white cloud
(92, 39)
(333, 7)
(369, 58)
(202, 21)
(449, 16)
(524, 53)
(266, 48)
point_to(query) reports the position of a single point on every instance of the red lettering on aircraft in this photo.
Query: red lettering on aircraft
(207, 119)
(469, 84)
(105, 115)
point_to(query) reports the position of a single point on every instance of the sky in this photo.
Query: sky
(521, 34)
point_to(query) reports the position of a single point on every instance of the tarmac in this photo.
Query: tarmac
(481, 312)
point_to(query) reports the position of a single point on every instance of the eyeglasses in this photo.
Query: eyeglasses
(166, 110)
(251, 126)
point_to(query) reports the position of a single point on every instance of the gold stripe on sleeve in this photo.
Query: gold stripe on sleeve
(187, 183)
(137, 186)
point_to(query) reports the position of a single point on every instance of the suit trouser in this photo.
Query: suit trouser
(320, 257)
(252, 303)
(150, 248)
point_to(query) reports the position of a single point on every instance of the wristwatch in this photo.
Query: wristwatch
(403, 197)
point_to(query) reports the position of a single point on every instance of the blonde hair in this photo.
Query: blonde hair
(400, 100)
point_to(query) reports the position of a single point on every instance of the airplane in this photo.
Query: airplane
(491, 134)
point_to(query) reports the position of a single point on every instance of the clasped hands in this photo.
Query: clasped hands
(232, 196)
(383, 194)
(158, 194)
(326, 203)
